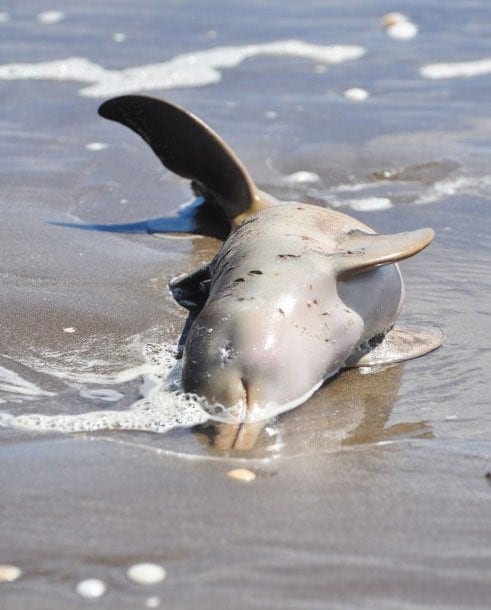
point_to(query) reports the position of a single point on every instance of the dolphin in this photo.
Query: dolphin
(296, 293)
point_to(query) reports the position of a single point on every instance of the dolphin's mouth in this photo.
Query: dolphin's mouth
(246, 397)
(247, 407)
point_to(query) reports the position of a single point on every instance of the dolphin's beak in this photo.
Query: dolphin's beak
(240, 437)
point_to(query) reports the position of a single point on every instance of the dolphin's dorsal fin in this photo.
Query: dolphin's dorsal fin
(189, 148)
(360, 251)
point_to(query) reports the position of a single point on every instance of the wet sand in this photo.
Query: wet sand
(373, 494)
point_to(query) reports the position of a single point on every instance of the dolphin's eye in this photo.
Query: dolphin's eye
(255, 272)
(239, 279)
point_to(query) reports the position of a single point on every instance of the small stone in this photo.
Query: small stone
(9, 573)
(242, 474)
(69, 329)
(146, 573)
(152, 602)
(92, 588)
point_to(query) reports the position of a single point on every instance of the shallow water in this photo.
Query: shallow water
(371, 495)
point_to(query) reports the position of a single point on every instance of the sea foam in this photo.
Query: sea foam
(192, 69)
(461, 69)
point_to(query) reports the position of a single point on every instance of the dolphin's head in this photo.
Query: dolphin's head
(251, 363)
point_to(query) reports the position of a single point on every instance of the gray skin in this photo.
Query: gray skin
(297, 291)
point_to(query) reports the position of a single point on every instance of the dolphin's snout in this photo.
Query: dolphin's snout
(245, 395)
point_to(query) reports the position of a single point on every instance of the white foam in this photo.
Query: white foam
(96, 146)
(360, 204)
(105, 394)
(4, 17)
(380, 195)
(92, 588)
(162, 408)
(356, 94)
(146, 573)
(302, 177)
(187, 70)
(5, 418)
(50, 17)
(85, 364)
(442, 189)
(14, 383)
(403, 30)
(461, 69)
(369, 204)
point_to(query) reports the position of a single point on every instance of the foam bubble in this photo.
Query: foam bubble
(146, 573)
(91, 588)
(193, 69)
(356, 94)
(50, 17)
(96, 146)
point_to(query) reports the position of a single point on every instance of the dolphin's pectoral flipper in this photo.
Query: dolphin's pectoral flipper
(191, 290)
(397, 345)
(360, 251)
(189, 148)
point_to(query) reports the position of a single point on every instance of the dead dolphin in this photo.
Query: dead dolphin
(296, 293)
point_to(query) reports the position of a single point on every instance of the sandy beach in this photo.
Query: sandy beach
(373, 494)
